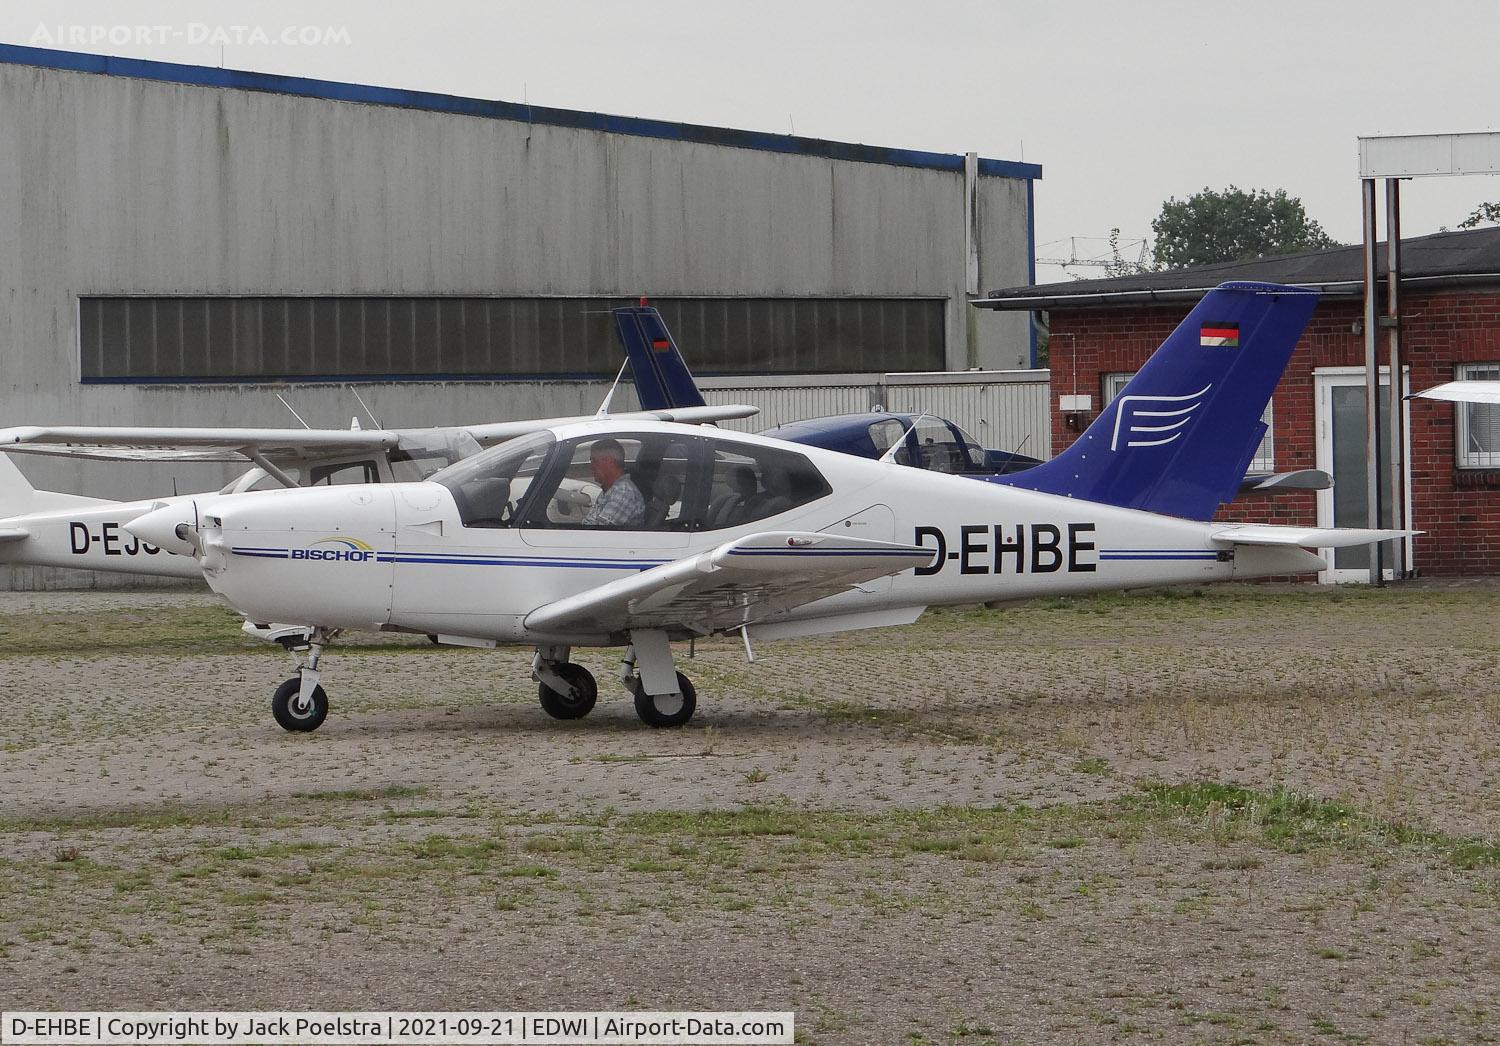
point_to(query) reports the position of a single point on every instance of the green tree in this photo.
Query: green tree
(1115, 265)
(1485, 212)
(1233, 225)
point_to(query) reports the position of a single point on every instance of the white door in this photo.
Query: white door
(1340, 421)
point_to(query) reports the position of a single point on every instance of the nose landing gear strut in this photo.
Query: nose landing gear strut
(301, 704)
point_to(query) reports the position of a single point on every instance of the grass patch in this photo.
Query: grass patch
(1296, 822)
(361, 795)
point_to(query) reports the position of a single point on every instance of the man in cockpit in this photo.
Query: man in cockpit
(620, 503)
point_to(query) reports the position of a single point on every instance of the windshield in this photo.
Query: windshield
(972, 446)
(419, 455)
(490, 486)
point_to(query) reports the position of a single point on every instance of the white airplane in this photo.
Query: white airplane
(690, 532)
(46, 528)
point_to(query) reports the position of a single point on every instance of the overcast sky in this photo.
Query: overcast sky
(1123, 104)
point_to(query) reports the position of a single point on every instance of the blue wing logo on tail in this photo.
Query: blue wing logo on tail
(1154, 421)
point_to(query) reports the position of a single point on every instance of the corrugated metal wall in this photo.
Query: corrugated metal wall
(1006, 410)
(1011, 415)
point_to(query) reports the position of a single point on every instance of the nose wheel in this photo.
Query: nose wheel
(301, 704)
(297, 713)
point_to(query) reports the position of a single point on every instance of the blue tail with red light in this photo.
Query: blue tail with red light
(662, 378)
(1178, 438)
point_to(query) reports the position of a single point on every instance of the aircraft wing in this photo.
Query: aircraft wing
(500, 431)
(243, 445)
(748, 580)
(127, 443)
(1473, 391)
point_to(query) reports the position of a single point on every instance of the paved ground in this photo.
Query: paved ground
(1244, 814)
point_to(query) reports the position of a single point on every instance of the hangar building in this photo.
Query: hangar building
(174, 239)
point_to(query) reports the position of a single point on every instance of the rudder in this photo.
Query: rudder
(662, 378)
(1179, 436)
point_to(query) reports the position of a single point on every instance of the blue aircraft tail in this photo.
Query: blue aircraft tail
(662, 378)
(1178, 438)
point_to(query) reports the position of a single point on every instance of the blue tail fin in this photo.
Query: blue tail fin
(1179, 436)
(662, 378)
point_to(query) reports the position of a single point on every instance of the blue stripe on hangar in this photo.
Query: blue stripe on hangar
(336, 91)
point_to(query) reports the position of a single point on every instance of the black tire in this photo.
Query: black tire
(662, 712)
(567, 706)
(284, 707)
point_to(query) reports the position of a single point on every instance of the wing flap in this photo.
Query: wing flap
(1307, 537)
(78, 453)
(741, 582)
(127, 443)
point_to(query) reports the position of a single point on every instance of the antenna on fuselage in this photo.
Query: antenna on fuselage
(609, 396)
(289, 407)
(898, 444)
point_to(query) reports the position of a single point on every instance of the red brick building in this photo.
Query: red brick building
(1102, 331)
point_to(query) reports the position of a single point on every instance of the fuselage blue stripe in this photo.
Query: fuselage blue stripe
(589, 564)
(1196, 551)
(468, 560)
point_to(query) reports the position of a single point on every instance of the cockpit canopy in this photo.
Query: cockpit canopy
(663, 481)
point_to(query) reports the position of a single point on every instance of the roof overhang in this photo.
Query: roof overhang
(1341, 289)
(1429, 155)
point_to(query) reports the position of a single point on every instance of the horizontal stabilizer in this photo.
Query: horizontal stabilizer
(1307, 537)
(1463, 392)
(1276, 482)
(752, 579)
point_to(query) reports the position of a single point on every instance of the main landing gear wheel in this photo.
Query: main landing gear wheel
(295, 715)
(665, 710)
(573, 705)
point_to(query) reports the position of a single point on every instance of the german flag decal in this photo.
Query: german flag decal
(1219, 335)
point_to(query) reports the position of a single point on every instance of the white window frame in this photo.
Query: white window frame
(1463, 456)
(1112, 382)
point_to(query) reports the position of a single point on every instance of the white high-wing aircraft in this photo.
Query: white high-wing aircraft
(45, 528)
(689, 532)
